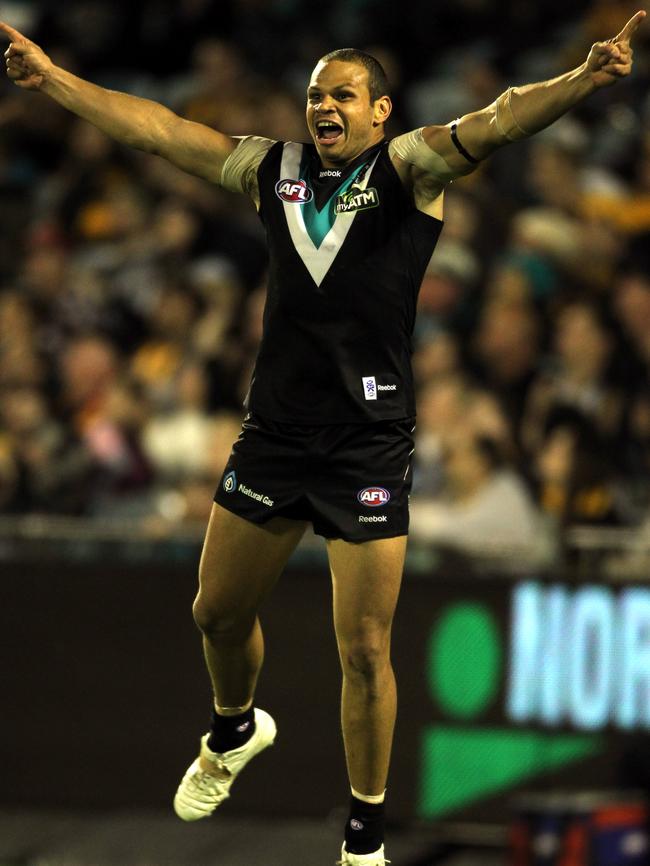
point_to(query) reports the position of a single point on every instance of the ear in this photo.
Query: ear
(381, 110)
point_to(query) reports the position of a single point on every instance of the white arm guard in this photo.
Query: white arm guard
(239, 172)
(412, 148)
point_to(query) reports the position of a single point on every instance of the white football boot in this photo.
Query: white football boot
(207, 782)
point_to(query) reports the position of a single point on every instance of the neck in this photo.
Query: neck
(341, 165)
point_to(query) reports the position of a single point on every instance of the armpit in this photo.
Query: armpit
(239, 173)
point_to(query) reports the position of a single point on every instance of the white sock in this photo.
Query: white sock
(232, 711)
(369, 798)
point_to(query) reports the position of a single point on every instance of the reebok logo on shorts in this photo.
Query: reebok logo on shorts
(376, 518)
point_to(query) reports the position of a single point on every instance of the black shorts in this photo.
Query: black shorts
(351, 481)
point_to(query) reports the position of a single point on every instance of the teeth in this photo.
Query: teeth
(326, 124)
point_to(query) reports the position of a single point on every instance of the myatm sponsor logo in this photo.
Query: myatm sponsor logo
(580, 657)
(534, 691)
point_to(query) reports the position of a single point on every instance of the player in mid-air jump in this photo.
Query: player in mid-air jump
(351, 221)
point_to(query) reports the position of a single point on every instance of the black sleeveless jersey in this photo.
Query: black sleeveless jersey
(347, 257)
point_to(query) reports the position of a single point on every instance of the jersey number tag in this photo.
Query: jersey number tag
(357, 199)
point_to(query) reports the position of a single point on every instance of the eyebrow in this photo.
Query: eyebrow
(347, 85)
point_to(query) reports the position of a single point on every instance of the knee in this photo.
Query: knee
(365, 654)
(220, 624)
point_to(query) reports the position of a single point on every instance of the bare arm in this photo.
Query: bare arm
(137, 122)
(523, 111)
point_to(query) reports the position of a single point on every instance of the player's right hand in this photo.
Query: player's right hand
(27, 64)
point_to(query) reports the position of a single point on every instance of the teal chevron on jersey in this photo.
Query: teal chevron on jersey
(318, 239)
(319, 222)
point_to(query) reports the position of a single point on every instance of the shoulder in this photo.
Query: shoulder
(240, 168)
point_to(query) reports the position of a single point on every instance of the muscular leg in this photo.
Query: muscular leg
(239, 565)
(366, 579)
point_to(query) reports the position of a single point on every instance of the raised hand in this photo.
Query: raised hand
(608, 61)
(27, 64)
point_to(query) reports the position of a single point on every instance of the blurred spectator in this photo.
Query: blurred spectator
(159, 358)
(442, 403)
(580, 375)
(436, 356)
(113, 438)
(177, 436)
(445, 293)
(574, 475)
(189, 497)
(89, 367)
(483, 507)
(506, 352)
(44, 466)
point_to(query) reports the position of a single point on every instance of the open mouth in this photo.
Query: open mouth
(328, 131)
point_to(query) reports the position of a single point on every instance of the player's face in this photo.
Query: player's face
(342, 120)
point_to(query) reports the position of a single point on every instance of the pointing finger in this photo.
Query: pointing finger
(13, 34)
(629, 29)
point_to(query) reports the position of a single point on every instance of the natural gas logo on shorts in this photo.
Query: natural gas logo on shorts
(253, 494)
(230, 482)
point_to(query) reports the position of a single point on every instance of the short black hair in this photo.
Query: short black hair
(377, 80)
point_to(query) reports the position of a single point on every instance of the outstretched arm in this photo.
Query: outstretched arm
(137, 122)
(523, 111)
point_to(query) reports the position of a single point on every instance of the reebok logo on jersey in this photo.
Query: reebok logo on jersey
(329, 172)
(374, 519)
(371, 389)
(293, 191)
(356, 199)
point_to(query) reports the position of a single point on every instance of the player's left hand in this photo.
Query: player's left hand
(608, 61)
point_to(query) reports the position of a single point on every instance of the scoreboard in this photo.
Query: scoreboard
(532, 685)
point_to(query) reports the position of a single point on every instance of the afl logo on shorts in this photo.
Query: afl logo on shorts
(230, 482)
(373, 497)
(293, 191)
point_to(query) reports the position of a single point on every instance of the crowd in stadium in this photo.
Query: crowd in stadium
(131, 294)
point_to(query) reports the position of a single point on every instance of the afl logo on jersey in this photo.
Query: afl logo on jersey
(293, 191)
(373, 497)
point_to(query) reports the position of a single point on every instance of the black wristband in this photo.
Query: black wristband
(459, 147)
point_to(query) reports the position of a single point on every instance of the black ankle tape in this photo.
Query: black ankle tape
(364, 830)
(230, 732)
